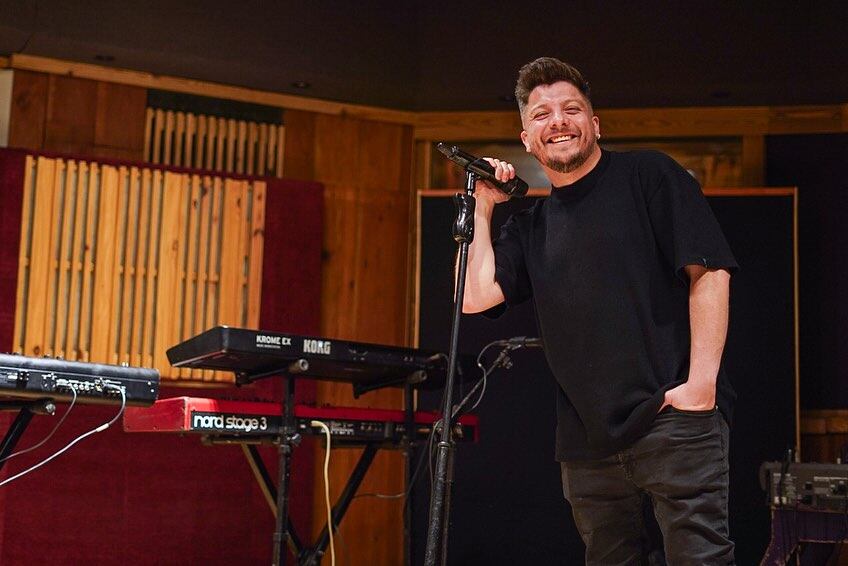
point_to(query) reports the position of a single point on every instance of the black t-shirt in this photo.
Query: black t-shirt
(603, 260)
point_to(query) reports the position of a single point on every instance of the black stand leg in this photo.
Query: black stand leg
(266, 484)
(26, 409)
(340, 508)
(437, 530)
(14, 433)
(282, 536)
(409, 456)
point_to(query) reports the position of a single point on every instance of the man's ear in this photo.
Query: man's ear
(597, 124)
(524, 141)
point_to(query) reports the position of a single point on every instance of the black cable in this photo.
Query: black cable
(502, 359)
(405, 493)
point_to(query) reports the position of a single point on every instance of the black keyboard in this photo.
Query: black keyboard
(251, 354)
(50, 378)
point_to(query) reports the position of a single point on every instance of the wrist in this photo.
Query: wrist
(484, 206)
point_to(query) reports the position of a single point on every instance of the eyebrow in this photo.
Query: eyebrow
(543, 104)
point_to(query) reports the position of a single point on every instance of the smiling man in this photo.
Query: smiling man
(629, 273)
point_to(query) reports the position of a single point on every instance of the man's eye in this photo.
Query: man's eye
(540, 115)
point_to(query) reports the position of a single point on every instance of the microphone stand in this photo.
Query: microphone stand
(437, 530)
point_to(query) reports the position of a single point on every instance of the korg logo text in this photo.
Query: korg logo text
(316, 347)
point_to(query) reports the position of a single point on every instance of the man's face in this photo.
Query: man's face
(559, 128)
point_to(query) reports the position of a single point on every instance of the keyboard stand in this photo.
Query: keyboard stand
(26, 409)
(287, 439)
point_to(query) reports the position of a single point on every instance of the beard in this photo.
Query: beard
(570, 163)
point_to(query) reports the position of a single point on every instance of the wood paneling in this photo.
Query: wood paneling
(119, 120)
(753, 160)
(365, 168)
(203, 88)
(646, 122)
(29, 110)
(117, 264)
(72, 115)
(300, 139)
(824, 435)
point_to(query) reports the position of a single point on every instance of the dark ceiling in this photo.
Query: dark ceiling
(458, 56)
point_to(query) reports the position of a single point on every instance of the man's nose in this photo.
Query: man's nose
(559, 118)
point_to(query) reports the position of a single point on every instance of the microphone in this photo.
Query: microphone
(515, 187)
(523, 342)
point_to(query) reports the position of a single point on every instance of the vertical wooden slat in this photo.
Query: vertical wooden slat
(191, 126)
(202, 143)
(92, 218)
(152, 274)
(167, 284)
(179, 134)
(231, 256)
(268, 148)
(221, 146)
(53, 230)
(130, 274)
(136, 347)
(104, 262)
(252, 132)
(262, 150)
(148, 133)
(211, 142)
(118, 275)
(73, 349)
(159, 125)
(203, 261)
(65, 235)
(190, 269)
(281, 146)
(257, 239)
(167, 156)
(24, 255)
(240, 146)
(244, 251)
(231, 145)
(212, 312)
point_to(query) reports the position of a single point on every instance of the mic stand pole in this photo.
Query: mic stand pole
(437, 530)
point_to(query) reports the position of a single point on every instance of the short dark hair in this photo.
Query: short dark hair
(547, 71)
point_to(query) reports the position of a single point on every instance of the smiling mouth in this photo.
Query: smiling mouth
(562, 138)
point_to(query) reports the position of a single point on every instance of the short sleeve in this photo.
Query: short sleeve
(684, 226)
(510, 266)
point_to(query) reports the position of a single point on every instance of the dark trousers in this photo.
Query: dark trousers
(681, 467)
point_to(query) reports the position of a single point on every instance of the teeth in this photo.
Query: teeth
(558, 139)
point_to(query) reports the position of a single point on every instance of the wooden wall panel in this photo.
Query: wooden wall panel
(29, 110)
(80, 116)
(71, 112)
(119, 121)
(366, 229)
(300, 139)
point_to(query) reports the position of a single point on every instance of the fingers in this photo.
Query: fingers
(504, 171)
(485, 190)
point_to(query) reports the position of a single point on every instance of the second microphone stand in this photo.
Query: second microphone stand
(437, 529)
